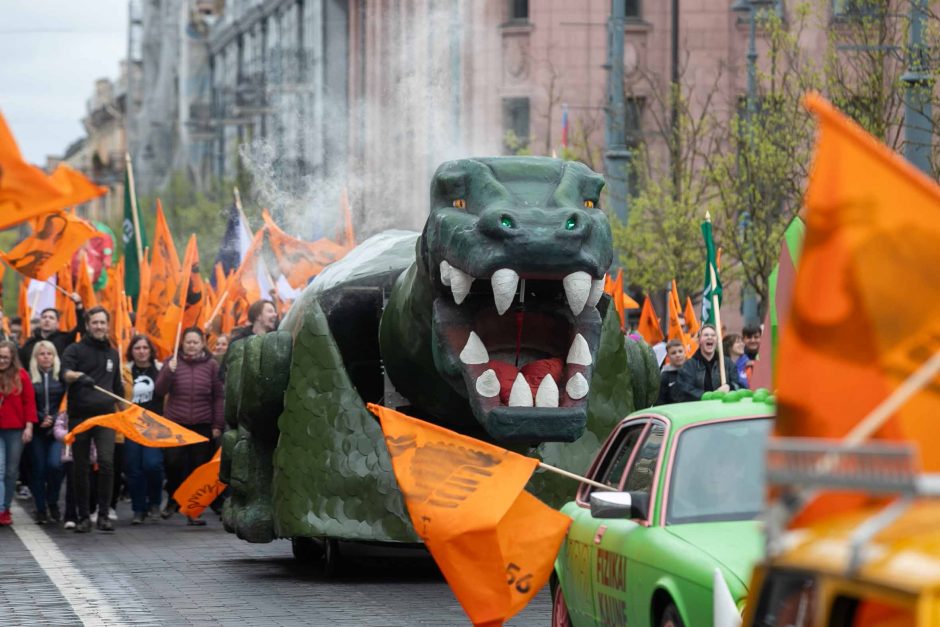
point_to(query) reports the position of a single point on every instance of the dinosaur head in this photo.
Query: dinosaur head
(516, 249)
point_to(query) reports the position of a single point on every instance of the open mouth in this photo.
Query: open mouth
(521, 348)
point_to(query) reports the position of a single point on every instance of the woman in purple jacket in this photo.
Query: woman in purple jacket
(194, 399)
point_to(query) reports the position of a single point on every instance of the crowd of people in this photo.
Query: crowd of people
(687, 378)
(53, 380)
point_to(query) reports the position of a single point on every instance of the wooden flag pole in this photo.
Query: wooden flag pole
(115, 396)
(719, 348)
(571, 475)
(218, 308)
(133, 195)
(179, 329)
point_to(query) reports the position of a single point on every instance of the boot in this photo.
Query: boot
(104, 524)
(83, 526)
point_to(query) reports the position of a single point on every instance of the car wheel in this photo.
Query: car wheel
(560, 616)
(306, 549)
(670, 617)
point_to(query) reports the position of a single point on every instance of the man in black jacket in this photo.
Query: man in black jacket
(675, 358)
(49, 330)
(86, 364)
(702, 373)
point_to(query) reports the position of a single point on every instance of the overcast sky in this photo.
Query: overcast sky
(51, 53)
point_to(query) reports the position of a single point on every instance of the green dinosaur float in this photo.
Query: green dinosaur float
(491, 322)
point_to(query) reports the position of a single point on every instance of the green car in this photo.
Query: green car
(675, 541)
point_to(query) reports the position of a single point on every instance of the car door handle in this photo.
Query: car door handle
(600, 534)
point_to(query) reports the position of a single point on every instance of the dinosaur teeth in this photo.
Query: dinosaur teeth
(460, 283)
(520, 395)
(577, 289)
(504, 282)
(577, 387)
(597, 290)
(474, 352)
(547, 394)
(579, 353)
(445, 273)
(487, 384)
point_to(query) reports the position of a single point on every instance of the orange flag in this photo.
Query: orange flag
(200, 488)
(143, 297)
(690, 320)
(164, 262)
(863, 315)
(163, 329)
(300, 261)
(65, 305)
(40, 255)
(244, 283)
(649, 326)
(494, 542)
(141, 426)
(25, 190)
(83, 285)
(196, 308)
(75, 187)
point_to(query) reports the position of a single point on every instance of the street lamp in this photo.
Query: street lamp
(749, 298)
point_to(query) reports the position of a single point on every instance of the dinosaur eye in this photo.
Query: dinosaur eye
(572, 222)
(589, 204)
(507, 221)
(460, 203)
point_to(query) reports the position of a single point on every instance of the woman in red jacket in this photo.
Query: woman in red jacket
(17, 415)
(195, 397)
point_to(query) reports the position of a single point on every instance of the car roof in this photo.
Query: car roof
(683, 414)
(904, 556)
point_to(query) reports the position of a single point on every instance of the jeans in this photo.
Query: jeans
(143, 466)
(81, 451)
(11, 447)
(47, 468)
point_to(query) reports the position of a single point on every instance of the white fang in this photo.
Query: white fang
(577, 387)
(579, 353)
(577, 289)
(520, 395)
(547, 394)
(597, 290)
(474, 352)
(504, 282)
(460, 283)
(445, 273)
(488, 384)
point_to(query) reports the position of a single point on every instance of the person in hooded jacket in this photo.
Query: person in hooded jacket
(194, 400)
(44, 367)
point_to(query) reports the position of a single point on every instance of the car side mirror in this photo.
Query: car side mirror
(620, 505)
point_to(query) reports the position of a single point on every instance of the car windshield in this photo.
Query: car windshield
(718, 472)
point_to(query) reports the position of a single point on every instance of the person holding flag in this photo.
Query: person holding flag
(88, 364)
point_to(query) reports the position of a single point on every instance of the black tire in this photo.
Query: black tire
(306, 549)
(670, 617)
(332, 559)
(560, 616)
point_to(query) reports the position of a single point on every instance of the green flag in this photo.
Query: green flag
(711, 265)
(129, 237)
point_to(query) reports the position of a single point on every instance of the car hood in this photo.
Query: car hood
(736, 545)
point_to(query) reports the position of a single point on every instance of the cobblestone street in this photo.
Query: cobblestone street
(166, 573)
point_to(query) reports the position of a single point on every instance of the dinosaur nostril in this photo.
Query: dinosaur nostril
(507, 222)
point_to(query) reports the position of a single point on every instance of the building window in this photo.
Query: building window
(515, 124)
(632, 9)
(855, 9)
(518, 10)
(633, 120)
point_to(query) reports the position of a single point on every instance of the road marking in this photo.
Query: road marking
(88, 603)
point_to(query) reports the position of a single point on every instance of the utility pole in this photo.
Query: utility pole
(918, 135)
(617, 156)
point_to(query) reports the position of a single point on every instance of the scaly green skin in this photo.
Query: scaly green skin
(308, 460)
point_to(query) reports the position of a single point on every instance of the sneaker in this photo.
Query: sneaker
(171, 508)
(23, 492)
(54, 514)
(195, 522)
(83, 526)
(138, 518)
(94, 516)
(154, 512)
(69, 524)
(5, 518)
(104, 524)
(41, 518)
(112, 514)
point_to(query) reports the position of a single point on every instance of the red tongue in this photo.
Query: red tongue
(533, 372)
